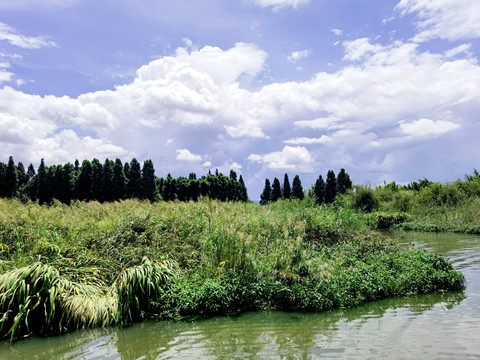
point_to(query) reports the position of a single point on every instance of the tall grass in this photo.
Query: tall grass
(84, 265)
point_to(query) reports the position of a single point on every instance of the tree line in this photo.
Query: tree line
(112, 181)
(322, 191)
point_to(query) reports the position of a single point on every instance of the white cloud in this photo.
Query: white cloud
(280, 4)
(458, 50)
(319, 123)
(427, 127)
(298, 55)
(444, 19)
(359, 49)
(363, 116)
(337, 32)
(9, 34)
(186, 155)
(290, 158)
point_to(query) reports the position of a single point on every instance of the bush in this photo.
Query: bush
(364, 199)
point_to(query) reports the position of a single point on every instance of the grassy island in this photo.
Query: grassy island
(90, 264)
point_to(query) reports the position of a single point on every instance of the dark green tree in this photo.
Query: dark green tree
(149, 190)
(330, 187)
(83, 184)
(194, 189)
(97, 174)
(22, 175)
(119, 181)
(286, 187)
(107, 180)
(343, 182)
(31, 186)
(276, 190)
(3, 179)
(135, 180)
(297, 189)
(42, 186)
(319, 191)
(192, 176)
(244, 196)
(265, 196)
(233, 175)
(12, 178)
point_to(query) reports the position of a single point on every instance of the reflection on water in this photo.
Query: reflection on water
(440, 326)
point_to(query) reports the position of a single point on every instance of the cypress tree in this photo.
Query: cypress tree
(286, 187)
(97, 170)
(83, 184)
(126, 171)
(42, 191)
(134, 181)
(319, 191)
(192, 176)
(343, 182)
(265, 196)
(22, 175)
(194, 189)
(276, 190)
(297, 190)
(3, 179)
(12, 178)
(149, 190)
(330, 187)
(107, 180)
(31, 187)
(233, 175)
(67, 180)
(244, 196)
(119, 181)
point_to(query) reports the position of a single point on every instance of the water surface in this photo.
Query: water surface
(434, 326)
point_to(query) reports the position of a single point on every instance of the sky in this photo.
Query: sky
(387, 89)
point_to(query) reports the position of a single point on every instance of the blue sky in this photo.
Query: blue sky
(388, 90)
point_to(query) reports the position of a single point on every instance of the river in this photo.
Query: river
(434, 326)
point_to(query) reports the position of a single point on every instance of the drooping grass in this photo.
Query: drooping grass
(204, 258)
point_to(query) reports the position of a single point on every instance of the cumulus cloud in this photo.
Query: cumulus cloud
(290, 158)
(364, 116)
(9, 34)
(444, 19)
(427, 127)
(186, 155)
(280, 4)
(298, 55)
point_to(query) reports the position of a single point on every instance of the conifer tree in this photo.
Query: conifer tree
(83, 184)
(192, 176)
(126, 171)
(319, 191)
(297, 189)
(330, 187)
(343, 182)
(31, 187)
(42, 191)
(134, 181)
(3, 179)
(265, 196)
(97, 170)
(244, 196)
(22, 175)
(149, 190)
(286, 187)
(276, 190)
(233, 175)
(12, 178)
(107, 181)
(119, 181)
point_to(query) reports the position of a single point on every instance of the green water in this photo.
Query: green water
(437, 326)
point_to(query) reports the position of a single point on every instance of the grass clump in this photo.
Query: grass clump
(90, 264)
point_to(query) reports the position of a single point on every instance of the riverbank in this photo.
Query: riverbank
(91, 264)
